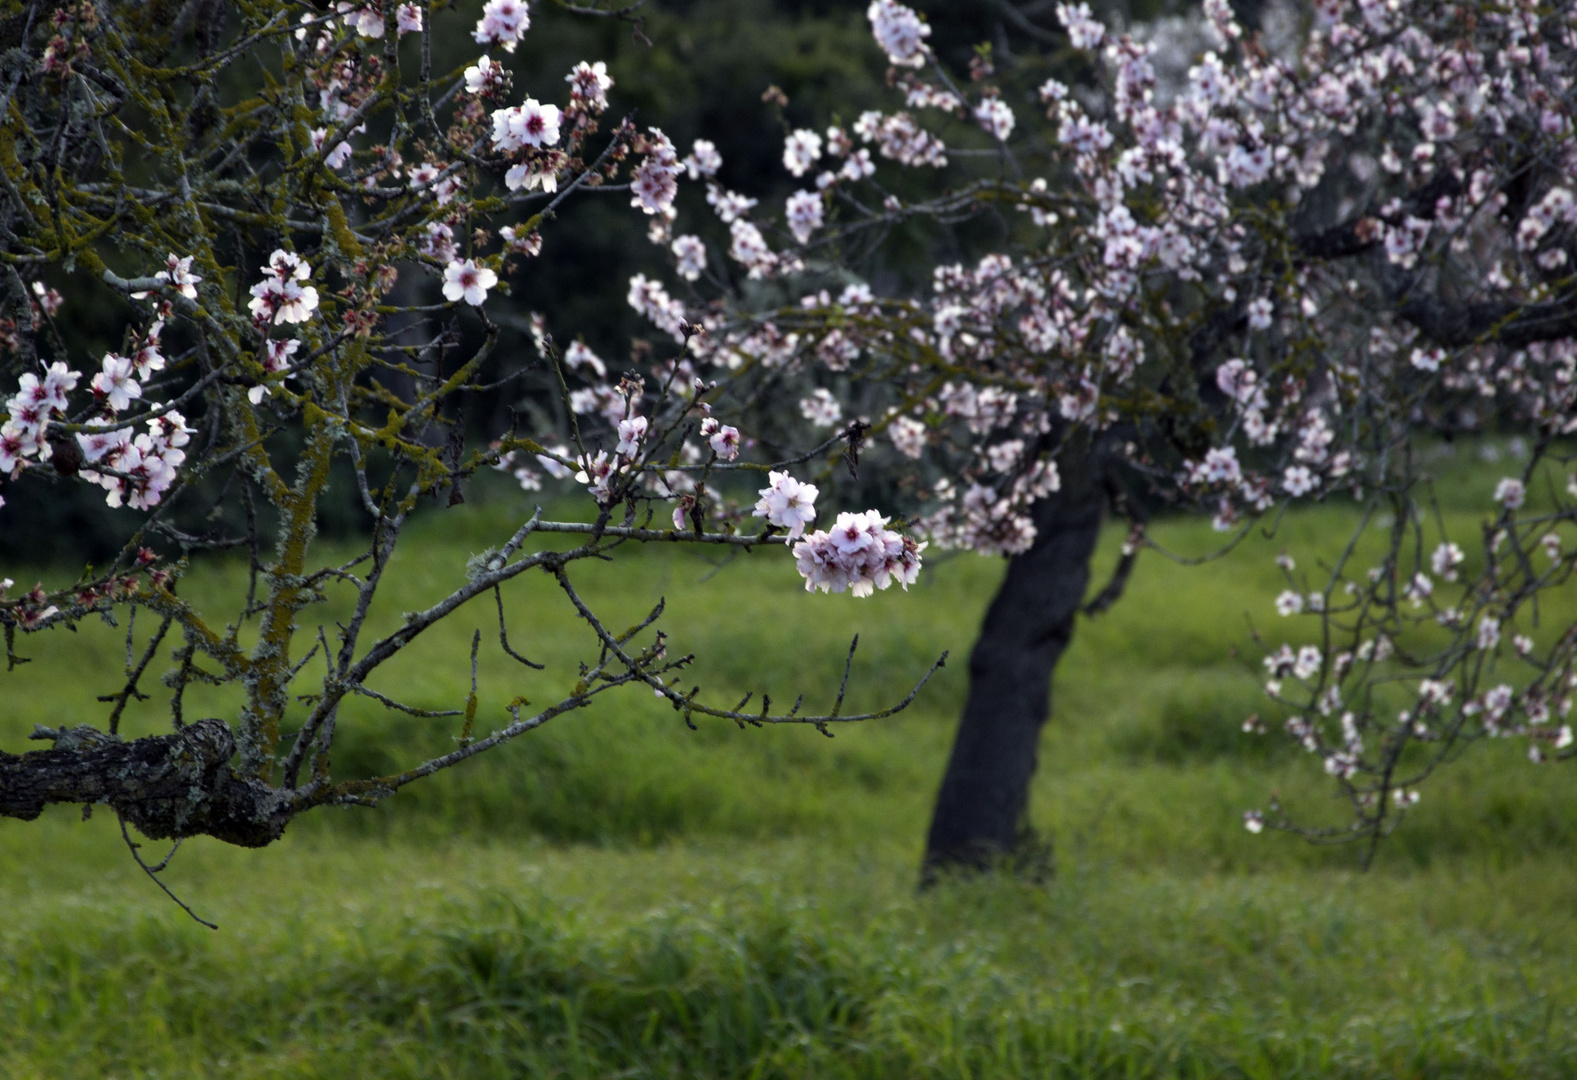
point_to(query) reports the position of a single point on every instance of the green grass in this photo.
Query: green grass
(618, 895)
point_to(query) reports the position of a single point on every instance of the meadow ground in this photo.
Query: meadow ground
(618, 895)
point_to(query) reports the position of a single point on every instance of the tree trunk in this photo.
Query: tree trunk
(980, 816)
(168, 786)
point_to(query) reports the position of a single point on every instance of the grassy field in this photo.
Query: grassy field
(616, 895)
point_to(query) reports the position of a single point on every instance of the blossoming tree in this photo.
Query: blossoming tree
(1260, 284)
(306, 225)
(1235, 277)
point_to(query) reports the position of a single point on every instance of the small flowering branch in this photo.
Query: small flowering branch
(639, 667)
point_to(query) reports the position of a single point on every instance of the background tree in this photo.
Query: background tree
(1274, 275)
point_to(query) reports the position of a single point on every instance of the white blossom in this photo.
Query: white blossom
(503, 22)
(899, 31)
(787, 503)
(821, 408)
(801, 150)
(467, 281)
(804, 214)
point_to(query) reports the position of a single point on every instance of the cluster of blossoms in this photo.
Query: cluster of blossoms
(281, 297)
(526, 131)
(899, 31)
(503, 23)
(655, 183)
(135, 470)
(367, 19)
(23, 436)
(859, 554)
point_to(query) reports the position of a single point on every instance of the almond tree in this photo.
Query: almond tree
(1234, 274)
(307, 227)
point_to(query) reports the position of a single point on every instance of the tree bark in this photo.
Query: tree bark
(980, 815)
(168, 786)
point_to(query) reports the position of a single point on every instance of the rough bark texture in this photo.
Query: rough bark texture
(168, 786)
(980, 811)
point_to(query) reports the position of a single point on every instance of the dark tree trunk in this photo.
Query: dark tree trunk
(980, 811)
(168, 786)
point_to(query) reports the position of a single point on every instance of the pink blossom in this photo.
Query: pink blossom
(437, 240)
(751, 249)
(653, 187)
(18, 442)
(528, 244)
(725, 442)
(277, 353)
(1446, 558)
(531, 175)
(631, 432)
(47, 298)
(335, 158)
(102, 445)
(276, 299)
(579, 355)
(365, 19)
(1298, 480)
(908, 436)
(1219, 467)
(599, 474)
(1244, 166)
(1403, 243)
(58, 382)
(178, 273)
